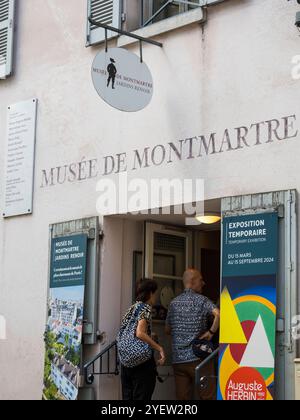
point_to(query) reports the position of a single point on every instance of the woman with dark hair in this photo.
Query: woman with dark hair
(139, 370)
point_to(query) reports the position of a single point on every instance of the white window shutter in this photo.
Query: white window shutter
(104, 11)
(7, 17)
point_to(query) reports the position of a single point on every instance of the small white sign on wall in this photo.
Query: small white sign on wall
(20, 157)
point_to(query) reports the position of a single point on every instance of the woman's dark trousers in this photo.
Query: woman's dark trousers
(138, 383)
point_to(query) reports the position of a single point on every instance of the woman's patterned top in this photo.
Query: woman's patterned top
(145, 313)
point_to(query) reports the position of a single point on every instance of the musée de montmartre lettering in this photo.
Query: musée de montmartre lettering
(243, 137)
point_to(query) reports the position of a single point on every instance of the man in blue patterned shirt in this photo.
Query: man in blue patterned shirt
(190, 316)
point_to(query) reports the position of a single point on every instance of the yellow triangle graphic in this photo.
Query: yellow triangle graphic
(231, 331)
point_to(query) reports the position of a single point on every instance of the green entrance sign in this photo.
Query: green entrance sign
(68, 261)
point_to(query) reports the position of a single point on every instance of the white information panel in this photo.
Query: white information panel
(20, 157)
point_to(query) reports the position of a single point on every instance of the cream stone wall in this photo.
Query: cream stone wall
(233, 71)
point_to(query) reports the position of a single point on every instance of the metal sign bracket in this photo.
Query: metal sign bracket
(122, 32)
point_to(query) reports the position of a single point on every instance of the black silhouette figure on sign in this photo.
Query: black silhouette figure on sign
(112, 71)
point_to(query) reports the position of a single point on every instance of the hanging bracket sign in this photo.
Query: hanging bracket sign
(122, 80)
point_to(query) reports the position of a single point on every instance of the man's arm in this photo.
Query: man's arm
(168, 330)
(215, 326)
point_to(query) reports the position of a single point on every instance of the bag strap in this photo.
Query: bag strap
(136, 311)
(139, 307)
(142, 306)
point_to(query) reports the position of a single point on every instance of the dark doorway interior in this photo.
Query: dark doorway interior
(210, 265)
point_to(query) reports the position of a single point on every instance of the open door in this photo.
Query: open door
(168, 253)
(275, 212)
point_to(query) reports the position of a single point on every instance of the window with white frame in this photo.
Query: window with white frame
(153, 11)
(132, 14)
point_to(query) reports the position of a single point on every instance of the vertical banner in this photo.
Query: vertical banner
(63, 336)
(248, 307)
